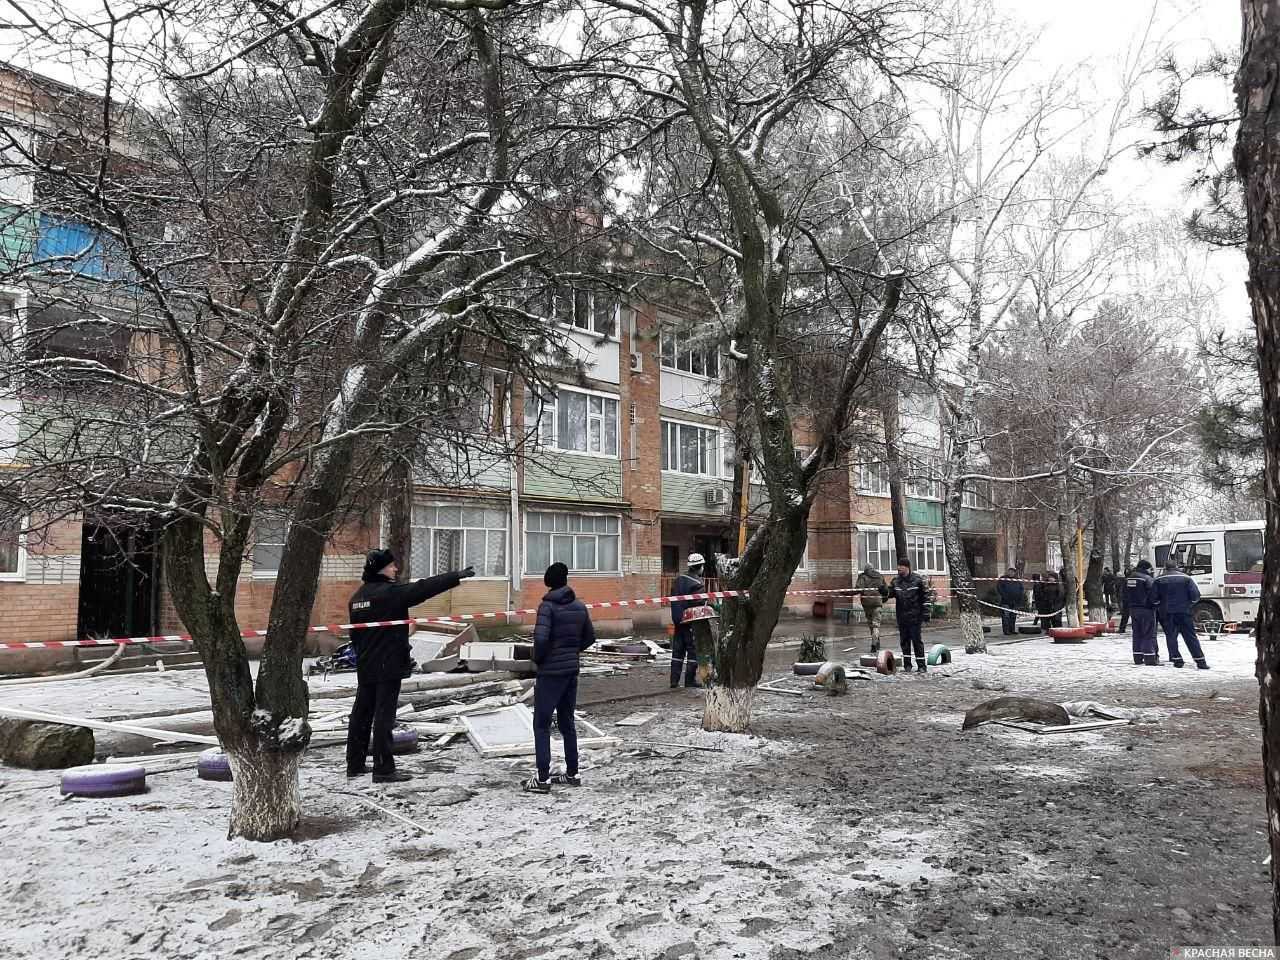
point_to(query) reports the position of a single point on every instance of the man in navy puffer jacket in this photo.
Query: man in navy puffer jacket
(563, 631)
(1178, 594)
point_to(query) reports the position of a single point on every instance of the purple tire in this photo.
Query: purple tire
(404, 740)
(214, 765)
(102, 780)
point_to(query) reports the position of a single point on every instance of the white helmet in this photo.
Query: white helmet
(696, 560)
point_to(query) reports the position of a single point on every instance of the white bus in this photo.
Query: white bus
(1225, 560)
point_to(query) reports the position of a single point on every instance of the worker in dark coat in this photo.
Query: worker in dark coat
(382, 658)
(1177, 594)
(563, 631)
(1140, 605)
(684, 648)
(1110, 590)
(1124, 600)
(911, 595)
(1048, 600)
(1013, 597)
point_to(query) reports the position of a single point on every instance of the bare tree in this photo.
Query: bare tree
(300, 228)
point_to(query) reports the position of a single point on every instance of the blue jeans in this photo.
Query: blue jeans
(555, 695)
(1182, 623)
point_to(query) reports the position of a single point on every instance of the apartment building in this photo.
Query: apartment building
(628, 469)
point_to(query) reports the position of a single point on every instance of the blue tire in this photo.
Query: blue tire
(104, 780)
(214, 765)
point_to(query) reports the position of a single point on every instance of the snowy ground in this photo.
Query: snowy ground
(863, 826)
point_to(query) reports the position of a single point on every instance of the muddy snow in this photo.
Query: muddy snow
(865, 826)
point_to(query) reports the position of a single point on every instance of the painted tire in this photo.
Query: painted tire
(214, 765)
(886, 663)
(938, 654)
(404, 740)
(1069, 634)
(806, 669)
(1030, 630)
(1095, 629)
(103, 780)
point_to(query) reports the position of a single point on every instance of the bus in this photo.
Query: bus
(1225, 561)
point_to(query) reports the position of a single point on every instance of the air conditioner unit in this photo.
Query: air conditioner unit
(715, 496)
(636, 363)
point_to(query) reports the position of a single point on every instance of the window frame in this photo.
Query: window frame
(274, 572)
(18, 298)
(669, 331)
(887, 550)
(435, 503)
(10, 154)
(1230, 536)
(1185, 547)
(539, 435)
(19, 573)
(923, 549)
(574, 534)
(864, 470)
(716, 458)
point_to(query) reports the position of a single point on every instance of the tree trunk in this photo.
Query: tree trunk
(962, 586)
(1257, 157)
(1128, 550)
(1094, 594)
(1068, 533)
(893, 461)
(400, 513)
(265, 798)
(747, 625)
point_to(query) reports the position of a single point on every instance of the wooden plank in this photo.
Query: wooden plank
(1040, 730)
(169, 736)
(636, 720)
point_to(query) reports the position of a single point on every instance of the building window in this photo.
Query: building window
(687, 448)
(923, 481)
(574, 421)
(585, 543)
(977, 494)
(926, 553)
(16, 175)
(270, 530)
(595, 311)
(12, 554)
(449, 537)
(681, 350)
(873, 479)
(875, 547)
(471, 400)
(9, 334)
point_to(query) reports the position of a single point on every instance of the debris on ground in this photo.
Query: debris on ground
(1016, 708)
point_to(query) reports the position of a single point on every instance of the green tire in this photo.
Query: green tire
(938, 653)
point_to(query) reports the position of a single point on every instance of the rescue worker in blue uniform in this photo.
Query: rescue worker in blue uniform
(1140, 606)
(684, 650)
(1177, 594)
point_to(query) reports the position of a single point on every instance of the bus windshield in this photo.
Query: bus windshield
(1244, 551)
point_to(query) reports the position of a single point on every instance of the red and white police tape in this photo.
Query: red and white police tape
(336, 628)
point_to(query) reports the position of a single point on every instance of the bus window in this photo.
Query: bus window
(1194, 558)
(1161, 551)
(1244, 551)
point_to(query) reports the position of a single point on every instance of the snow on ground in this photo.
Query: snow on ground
(861, 826)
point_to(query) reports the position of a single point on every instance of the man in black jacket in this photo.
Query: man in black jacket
(382, 658)
(1140, 604)
(563, 631)
(684, 649)
(1013, 597)
(911, 594)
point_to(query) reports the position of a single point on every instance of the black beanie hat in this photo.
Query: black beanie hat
(1144, 565)
(375, 562)
(557, 576)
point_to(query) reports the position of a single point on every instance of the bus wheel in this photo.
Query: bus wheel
(1208, 618)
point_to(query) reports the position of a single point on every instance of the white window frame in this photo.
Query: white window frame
(592, 325)
(927, 462)
(265, 574)
(928, 547)
(525, 531)
(972, 488)
(24, 195)
(668, 330)
(20, 574)
(550, 440)
(873, 479)
(720, 470)
(436, 503)
(882, 552)
(19, 299)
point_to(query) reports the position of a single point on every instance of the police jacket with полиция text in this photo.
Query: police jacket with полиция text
(382, 653)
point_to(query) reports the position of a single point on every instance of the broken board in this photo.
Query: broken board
(1041, 730)
(636, 720)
